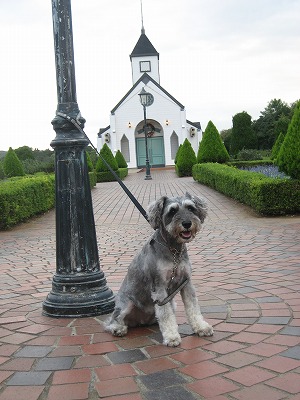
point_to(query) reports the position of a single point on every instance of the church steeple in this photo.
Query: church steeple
(144, 57)
(142, 18)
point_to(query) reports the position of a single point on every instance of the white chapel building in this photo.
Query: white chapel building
(166, 117)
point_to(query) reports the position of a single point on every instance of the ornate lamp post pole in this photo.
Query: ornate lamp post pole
(146, 100)
(79, 286)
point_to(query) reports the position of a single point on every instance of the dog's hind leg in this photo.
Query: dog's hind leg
(167, 324)
(192, 309)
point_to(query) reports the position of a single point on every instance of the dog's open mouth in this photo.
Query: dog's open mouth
(186, 235)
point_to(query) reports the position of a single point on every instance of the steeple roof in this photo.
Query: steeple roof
(144, 47)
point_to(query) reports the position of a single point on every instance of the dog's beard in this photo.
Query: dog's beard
(182, 235)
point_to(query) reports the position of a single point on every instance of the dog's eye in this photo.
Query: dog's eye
(191, 208)
(172, 212)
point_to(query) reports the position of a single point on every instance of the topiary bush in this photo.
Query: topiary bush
(277, 145)
(288, 159)
(185, 160)
(177, 154)
(12, 166)
(101, 167)
(89, 162)
(211, 147)
(120, 160)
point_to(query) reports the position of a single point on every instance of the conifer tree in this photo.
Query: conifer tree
(288, 159)
(106, 153)
(277, 145)
(211, 147)
(185, 160)
(12, 166)
(120, 160)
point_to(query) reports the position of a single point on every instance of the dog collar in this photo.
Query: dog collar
(177, 254)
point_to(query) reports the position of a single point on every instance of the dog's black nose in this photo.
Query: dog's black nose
(186, 224)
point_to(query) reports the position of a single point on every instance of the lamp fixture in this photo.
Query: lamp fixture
(167, 122)
(129, 124)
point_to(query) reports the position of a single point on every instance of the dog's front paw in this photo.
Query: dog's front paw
(172, 341)
(204, 329)
(117, 330)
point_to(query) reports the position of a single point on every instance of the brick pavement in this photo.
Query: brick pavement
(246, 272)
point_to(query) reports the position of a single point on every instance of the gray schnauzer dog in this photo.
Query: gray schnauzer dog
(160, 270)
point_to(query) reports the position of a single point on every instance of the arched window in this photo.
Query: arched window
(125, 148)
(174, 144)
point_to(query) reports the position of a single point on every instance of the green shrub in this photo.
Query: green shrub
(89, 162)
(211, 147)
(106, 153)
(93, 178)
(177, 153)
(12, 166)
(288, 159)
(248, 155)
(267, 196)
(107, 176)
(122, 172)
(120, 160)
(185, 160)
(21, 198)
(2, 175)
(277, 145)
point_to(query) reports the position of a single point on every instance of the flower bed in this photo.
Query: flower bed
(270, 171)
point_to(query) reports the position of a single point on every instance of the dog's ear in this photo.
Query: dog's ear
(154, 213)
(201, 207)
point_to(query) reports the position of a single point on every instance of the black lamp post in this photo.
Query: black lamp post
(146, 100)
(79, 286)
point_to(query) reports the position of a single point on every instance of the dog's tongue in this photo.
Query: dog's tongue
(186, 234)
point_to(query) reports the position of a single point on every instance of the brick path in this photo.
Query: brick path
(246, 271)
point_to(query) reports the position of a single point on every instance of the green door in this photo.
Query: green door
(156, 151)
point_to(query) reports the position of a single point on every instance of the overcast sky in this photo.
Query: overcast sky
(217, 58)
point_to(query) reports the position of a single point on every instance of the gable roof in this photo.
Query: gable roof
(145, 78)
(144, 47)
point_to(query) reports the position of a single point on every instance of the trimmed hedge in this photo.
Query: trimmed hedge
(267, 196)
(93, 178)
(107, 176)
(22, 198)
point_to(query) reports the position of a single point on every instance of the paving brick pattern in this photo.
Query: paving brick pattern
(246, 270)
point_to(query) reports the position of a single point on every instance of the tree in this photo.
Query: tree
(288, 159)
(120, 160)
(277, 145)
(211, 147)
(243, 135)
(226, 137)
(12, 166)
(24, 153)
(89, 162)
(177, 153)
(271, 122)
(185, 160)
(106, 153)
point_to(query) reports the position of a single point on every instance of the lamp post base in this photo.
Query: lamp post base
(148, 177)
(82, 297)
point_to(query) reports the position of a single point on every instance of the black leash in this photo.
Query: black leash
(76, 123)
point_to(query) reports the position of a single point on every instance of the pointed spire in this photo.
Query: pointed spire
(143, 29)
